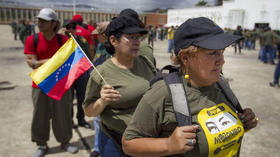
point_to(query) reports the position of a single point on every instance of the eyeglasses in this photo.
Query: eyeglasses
(133, 37)
(70, 27)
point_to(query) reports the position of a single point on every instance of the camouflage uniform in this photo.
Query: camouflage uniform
(24, 30)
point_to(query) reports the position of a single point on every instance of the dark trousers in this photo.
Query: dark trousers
(237, 45)
(277, 73)
(278, 49)
(268, 54)
(15, 35)
(151, 41)
(107, 147)
(46, 111)
(80, 86)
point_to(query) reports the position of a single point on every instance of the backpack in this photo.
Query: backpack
(36, 40)
(176, 90)
(100, 59)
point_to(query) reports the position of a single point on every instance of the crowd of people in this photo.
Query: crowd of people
(131, 116)
(23, 29)
(269, 46)
(162, 33)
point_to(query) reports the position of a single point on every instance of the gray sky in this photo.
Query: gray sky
(121, 4)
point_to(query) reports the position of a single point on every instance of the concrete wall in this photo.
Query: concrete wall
(178, 16)
(257, 11)
(238, 12)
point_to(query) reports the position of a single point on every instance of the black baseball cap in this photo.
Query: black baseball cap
(133, 14)
(68, 22)
(129, 12)
(204, 33)
(124, 24)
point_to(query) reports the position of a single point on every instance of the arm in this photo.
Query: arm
(177, 143)
(275, 40)
(107, 95)
(32, 61)
(30, 53)
(141, 137)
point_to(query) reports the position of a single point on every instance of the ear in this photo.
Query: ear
(184, 56)
(56, 26)
(113, 40)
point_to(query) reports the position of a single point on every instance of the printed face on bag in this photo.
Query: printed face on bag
(223, 130)
(220, 123)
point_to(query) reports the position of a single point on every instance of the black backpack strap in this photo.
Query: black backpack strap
(160, 74)
(232, 98)
(59, 39)
(179, 100)
(229, 94)
(35, 41)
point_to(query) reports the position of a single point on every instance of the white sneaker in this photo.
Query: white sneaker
(41, 151)
(69, 148)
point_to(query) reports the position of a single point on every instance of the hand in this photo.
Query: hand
(108, 94)
(179, 141)
(63, 31)
(248, 119)
(29, 61)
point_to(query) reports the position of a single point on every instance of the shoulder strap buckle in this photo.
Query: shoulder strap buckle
(179, 98)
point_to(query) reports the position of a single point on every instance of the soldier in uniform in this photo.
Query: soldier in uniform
(24, 30)
(14, 29)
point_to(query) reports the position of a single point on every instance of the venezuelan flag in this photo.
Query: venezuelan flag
(58, 74)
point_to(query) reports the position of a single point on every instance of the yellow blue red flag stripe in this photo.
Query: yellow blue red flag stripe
(58, 74)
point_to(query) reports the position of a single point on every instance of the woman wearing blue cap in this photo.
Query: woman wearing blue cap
(126, 78)
(216, 127)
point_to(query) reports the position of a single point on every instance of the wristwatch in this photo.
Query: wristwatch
(33, 64)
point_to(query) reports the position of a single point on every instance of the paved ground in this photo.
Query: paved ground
(249, 80)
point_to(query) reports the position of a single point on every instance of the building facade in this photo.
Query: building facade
(8, 14)
(156, 19)
(246, 13)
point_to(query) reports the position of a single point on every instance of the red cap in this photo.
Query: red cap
(78, 18)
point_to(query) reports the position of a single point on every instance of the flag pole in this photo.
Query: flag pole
(74, 7)
(88, 59)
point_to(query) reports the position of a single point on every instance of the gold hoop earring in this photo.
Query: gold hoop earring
(187, 76)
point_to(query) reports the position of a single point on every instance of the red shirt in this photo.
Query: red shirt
(81, 31)
(45, 48)
(91, 29)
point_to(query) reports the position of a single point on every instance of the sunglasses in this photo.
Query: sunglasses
(133, 37)
(70, 27)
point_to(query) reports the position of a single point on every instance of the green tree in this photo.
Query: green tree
(219, 2)
(201, 3)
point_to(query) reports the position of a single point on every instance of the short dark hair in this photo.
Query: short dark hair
(109, 47)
